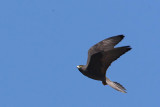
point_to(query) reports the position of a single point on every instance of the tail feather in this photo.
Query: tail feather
(119, 85)
(116, 86)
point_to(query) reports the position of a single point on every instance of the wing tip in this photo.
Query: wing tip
(128, 48)
(121, 36)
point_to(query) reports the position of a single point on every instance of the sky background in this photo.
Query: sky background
(42, 42)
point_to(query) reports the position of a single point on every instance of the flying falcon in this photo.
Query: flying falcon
(100, 57)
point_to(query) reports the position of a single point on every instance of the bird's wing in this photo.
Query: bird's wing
(104, 45)
(99, 62)
(112, 55)
(95, 65)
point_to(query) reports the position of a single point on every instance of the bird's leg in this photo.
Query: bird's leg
(104, 82)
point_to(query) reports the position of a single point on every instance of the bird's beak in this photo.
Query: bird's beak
(78, 66)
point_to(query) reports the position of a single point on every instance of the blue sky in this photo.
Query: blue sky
(42, 42)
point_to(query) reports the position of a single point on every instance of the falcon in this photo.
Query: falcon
(100, 57)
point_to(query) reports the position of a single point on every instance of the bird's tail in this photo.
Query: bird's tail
(115, 85)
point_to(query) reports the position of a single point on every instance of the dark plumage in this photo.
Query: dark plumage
(100, 57)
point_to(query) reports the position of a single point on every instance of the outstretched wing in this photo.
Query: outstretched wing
(104, 45)
(99, 62)
(112, 55)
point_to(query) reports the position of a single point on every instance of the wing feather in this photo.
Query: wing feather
(113, 55)
(95, 66)
(104, 45)
(100, 61)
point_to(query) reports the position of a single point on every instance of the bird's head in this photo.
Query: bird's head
(80, 67)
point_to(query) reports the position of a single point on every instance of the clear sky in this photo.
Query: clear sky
(42, 42)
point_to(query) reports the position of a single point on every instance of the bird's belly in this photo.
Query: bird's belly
(94, 76)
